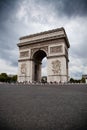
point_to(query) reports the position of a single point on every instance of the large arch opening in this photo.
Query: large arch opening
(44, 68)
(37, 66)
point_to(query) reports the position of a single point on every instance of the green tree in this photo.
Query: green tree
(14, 78)
(72, 80)
(44, 79)
(3, 77)
(83, 80)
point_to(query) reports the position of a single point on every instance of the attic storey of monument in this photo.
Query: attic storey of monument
(52, 44)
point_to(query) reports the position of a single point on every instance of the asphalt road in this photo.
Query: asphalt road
(39, 107)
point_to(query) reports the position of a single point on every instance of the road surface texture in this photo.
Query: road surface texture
(43, 107)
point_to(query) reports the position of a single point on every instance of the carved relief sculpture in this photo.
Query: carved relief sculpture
(23, 68)
(56, 49)
(24, 54)
(56, 67)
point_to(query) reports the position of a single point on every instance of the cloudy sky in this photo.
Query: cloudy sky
(24, 17)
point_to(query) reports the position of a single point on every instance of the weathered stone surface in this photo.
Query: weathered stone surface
(52, 44)
(24, 54)
(56, 49)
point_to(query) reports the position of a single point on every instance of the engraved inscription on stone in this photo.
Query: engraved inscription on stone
(24, 54)
(56, 67)
(56, 49)
(23, 68)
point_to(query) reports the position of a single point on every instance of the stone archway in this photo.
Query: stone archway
(52, 44)
(37, 59)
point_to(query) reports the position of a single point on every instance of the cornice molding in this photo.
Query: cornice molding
(45, 39)
(42, 33)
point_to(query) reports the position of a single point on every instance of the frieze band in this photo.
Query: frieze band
(24, 54)
(56, 49)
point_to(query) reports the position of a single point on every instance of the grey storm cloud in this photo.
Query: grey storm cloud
(23, 17)
(7, 37)
(68, 7)
(6, 9)
(64, 7)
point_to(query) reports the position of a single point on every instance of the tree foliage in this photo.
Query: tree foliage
(77, 81)
(5, 78)
(44, 79)
(83, 80)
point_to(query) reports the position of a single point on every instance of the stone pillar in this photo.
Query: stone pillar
(56, 70)
(53, 70)
(39, 74)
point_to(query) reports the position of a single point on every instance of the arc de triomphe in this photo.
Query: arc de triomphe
(52, 44)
